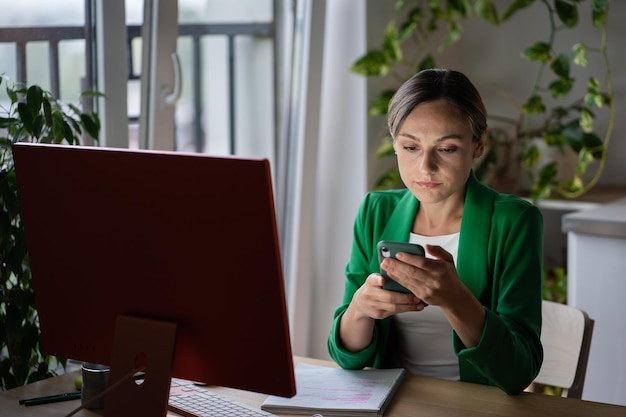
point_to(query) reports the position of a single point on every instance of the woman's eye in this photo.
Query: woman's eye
(409, 148)
(448, 149)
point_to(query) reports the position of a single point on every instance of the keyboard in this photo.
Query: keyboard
(190, 400)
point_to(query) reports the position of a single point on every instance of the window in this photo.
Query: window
(43, 43)
(226, 52)
(226, 60)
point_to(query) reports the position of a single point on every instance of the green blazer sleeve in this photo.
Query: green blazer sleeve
(500, 260)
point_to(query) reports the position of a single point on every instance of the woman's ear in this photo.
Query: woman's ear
(479, 147)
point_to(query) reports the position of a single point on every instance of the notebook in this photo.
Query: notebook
(338, 392)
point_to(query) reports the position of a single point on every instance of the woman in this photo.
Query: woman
(482, 274)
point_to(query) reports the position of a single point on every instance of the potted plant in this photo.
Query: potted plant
(30, 114)
(548, 117)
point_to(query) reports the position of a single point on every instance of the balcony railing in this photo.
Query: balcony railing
(53, 35)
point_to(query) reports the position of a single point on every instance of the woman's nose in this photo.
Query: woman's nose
(428, 162)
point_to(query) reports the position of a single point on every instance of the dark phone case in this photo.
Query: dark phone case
(389, 249)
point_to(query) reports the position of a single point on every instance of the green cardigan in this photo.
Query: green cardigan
(500, 259)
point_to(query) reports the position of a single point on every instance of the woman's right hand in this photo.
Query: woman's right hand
(372, 302)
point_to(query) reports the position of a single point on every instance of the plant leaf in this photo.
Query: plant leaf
(586, 120)
(391, 43)
(378, 107)
(575, 184)
(486, 9)
(462, 7)
(594, 144)
(390, 179)
(515, 7)
(68, 134)
(34, 98)
(386, 148)
(584, 159)
(372, 64)
(398, 6)
(540, 51)
(26, 116)
(534, 105)
(74, 108)
(560, 66)
(561, 87)
(594, 96)
(554, 138)
(573, 135)
(408, 27)
(76, 128)
(548, 172)
(541, 191)
(38, 124)
(531, 156)
(47, 111)
(6, 122)
(92, 94)
(455, 32)
(579, 54)
(599, 12)
(567, 12)
(92, 124)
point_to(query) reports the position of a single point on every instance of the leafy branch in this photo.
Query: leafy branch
(406, 49)
(32, 115)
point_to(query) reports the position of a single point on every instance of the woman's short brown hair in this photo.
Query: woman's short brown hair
(433, 84)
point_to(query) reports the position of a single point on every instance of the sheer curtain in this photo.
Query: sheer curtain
(323, 163)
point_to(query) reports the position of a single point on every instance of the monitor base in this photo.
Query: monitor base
(140, 345)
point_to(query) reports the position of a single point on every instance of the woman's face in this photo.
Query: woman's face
(435, 152)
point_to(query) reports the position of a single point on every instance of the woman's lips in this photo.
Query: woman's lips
(427, 184)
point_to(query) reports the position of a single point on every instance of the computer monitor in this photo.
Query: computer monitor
(155, 237)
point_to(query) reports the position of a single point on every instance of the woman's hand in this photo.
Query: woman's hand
(372, 302)
(436, 282)
(433, 280)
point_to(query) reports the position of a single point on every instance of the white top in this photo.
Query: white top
(424, 344)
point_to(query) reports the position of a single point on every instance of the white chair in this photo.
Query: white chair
(566, 337)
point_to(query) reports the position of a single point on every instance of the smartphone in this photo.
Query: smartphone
(389, 249)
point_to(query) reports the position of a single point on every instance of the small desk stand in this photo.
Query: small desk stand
(140, 343)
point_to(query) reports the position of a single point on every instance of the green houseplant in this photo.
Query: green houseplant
(32, 115)
(548, 114)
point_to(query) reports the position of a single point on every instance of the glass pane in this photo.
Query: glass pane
(31, 20)
(43, 13)
(220, 11)
(134, 17)
(205, 121)
(134, 12)
(228, 98)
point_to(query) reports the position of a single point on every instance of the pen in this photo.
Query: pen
(75, 395)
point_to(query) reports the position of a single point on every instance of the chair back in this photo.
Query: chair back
(566, 338)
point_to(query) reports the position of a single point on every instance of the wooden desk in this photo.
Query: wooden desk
(418, 396)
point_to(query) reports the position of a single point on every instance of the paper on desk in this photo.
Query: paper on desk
(338, 391)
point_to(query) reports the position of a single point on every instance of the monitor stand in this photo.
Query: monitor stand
(140, 345)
